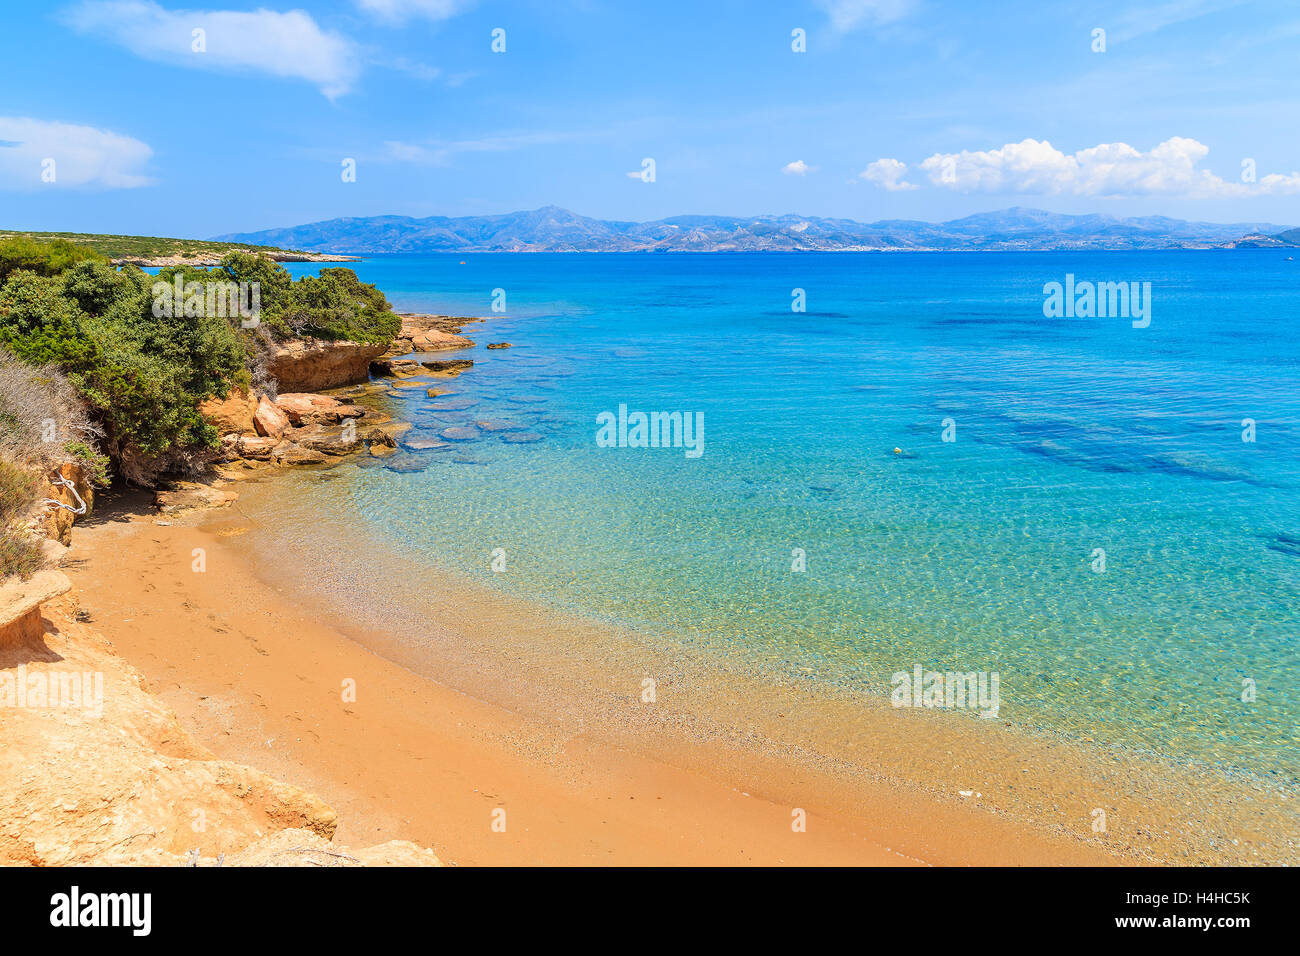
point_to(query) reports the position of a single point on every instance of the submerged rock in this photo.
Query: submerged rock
(332, 439)
(401, 368)
(447, 367)
(460, 433)
(404, 464)
(424, 444)
(498, 425)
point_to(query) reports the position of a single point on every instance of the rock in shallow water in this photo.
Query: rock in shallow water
(405, 464)
(447, 367)
(460, 433)
(424, 444)
(498, 425)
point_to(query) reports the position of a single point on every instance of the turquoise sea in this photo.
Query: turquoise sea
(976, 554)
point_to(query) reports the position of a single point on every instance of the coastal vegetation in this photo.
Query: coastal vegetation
(44, 425)
(135, 247)
(92, 371)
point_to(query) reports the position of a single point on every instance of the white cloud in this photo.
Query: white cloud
(282, 44)
(1106, 170)
(797, 168)
(83, 155)
(887, 174)
(399, 11)
(846, 15)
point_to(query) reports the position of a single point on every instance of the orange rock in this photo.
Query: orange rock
(304, 365)
(304, 407)
(269, 421)
(234, 413)
(435, 340)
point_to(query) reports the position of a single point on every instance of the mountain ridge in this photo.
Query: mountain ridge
(554, 229)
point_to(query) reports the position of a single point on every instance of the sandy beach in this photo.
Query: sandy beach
(257, 671)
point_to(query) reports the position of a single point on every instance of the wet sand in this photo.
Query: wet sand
(498, 705)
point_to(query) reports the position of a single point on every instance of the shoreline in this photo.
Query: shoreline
(469, 702)
(487, 713)
(208, 262)
(261, 680)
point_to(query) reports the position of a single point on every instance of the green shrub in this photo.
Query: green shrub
(272, 278)
(42, 258)
(143, 372)
(40, 325)
(88, 457)
(142, 375)
(336, 305)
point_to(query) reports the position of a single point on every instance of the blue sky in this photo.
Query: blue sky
(897, 109)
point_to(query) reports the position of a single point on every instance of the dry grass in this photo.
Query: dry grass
(43, 425)
(41, 415)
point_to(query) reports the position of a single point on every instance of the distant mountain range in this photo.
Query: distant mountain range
(552, 229)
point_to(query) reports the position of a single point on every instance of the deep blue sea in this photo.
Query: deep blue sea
(824, 431)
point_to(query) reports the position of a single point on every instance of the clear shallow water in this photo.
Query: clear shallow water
(972, 555)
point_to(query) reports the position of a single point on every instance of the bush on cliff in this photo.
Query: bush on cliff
(142, 375)
(334, 305)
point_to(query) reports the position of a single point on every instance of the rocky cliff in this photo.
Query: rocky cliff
(311, 365)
